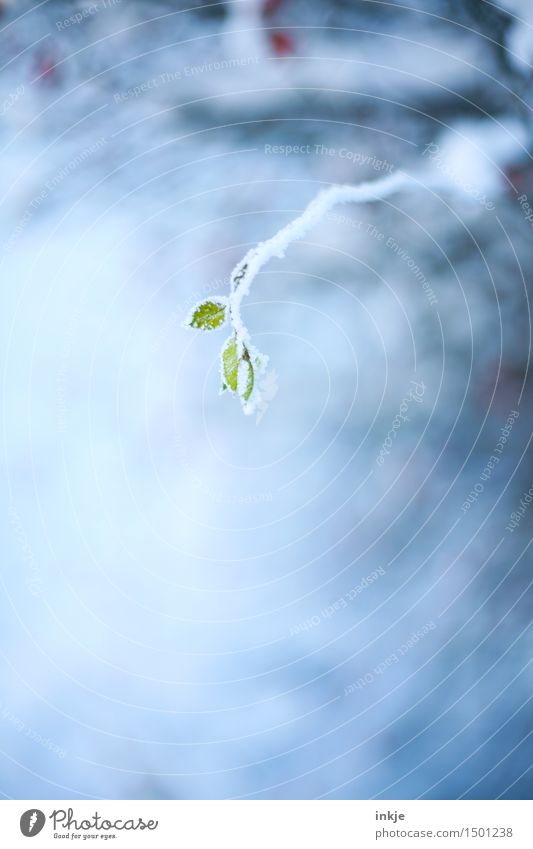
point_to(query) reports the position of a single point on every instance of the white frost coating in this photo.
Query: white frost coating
(245, 271)
(217, 299)
(260, 363)
(243, 376)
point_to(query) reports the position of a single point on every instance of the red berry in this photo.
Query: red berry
(282, 44)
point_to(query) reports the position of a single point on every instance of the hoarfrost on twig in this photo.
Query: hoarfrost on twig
(241, 363)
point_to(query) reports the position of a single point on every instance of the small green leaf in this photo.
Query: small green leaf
(208, 315)
(246, 379)
(230, 364)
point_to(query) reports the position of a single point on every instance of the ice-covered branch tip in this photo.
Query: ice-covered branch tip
(241, 364)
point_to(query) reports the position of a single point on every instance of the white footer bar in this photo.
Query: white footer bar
(269, 824)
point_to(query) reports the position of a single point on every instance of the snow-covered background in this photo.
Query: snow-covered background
(199, 604)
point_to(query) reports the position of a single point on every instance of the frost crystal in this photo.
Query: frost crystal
(241, 363)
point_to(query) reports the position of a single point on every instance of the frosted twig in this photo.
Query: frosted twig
(245, 271)
(241, 364)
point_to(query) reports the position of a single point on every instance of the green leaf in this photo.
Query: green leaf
(246, 379)
(230, 364)
(208, 315)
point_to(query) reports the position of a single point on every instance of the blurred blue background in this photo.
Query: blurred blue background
(330, 598)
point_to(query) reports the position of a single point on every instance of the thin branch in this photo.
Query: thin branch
(244, 272)
(241, 364)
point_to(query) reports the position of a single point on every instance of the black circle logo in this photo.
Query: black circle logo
(32, 822)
